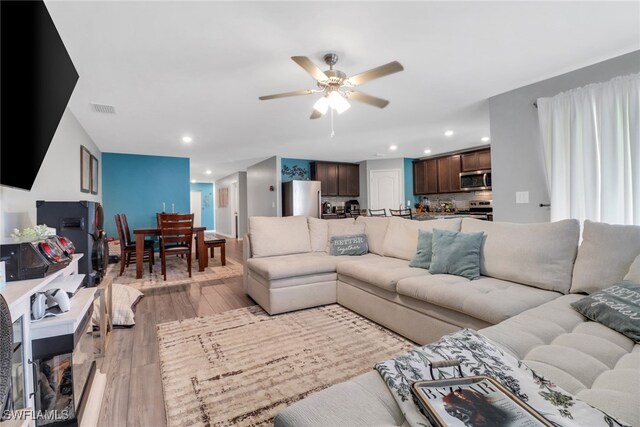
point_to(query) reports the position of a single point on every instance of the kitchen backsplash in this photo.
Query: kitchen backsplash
(461, 199)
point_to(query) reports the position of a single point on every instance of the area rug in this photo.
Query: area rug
(177, 273)
(242, 367)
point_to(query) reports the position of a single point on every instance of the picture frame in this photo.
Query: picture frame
(94, 174)
(440, 402)
(85, 170)
(223, 197)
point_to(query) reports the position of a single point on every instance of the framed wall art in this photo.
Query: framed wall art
(223, 197)
(94, 174)
(85, 170)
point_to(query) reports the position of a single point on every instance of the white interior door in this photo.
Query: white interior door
(196, 208)
(385, 189)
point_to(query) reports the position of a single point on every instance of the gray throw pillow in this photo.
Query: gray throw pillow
(354, 244)
(616, 307)
(456, 253)
(422, 258)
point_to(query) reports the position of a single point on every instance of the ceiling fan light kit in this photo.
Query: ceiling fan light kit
(336, 86)
(322, 105)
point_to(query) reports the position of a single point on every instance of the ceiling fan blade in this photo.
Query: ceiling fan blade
(367, 99)
(310, 68)
(286, 94)
(376, 73)
(315, 114)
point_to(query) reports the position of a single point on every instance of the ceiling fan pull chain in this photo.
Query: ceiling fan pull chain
(333, 133)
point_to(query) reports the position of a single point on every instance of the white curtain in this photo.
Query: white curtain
(591, 143)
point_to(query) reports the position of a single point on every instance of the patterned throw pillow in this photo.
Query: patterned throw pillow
(456, 253)
(617, 307)
(422, 258)
(355, 244)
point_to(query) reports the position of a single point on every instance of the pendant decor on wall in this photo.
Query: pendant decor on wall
(295, 172)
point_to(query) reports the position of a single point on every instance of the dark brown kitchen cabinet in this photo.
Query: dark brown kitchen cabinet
(425, 176)
(327, 174)
(449, 174)
(478, 160)
(442, 174)
(337, 179)
(348, 180)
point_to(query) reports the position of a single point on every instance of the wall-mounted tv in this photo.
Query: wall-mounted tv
(36, 82)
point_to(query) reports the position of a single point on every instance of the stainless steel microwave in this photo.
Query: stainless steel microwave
(476, 180)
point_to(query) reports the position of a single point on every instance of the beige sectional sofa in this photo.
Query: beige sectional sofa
(530, 275)
(522, 266)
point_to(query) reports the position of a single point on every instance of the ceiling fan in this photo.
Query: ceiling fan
(336, 86)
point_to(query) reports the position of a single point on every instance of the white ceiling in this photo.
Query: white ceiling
(197, 68)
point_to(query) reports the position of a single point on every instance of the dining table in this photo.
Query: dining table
(141, 233)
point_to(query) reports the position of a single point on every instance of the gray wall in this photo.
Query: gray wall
(53, 182)
(516, 152)
(223, 216)
(242, 204)
(261, 201)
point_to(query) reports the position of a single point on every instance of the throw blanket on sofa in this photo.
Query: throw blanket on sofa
(479, 356)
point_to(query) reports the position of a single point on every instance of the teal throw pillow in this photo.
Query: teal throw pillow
(456, 253)
(355, 244)
(422, 259)
(617, 307)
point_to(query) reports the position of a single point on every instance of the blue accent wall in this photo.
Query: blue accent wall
(206, 201)
(295, 169)
(408, 182)
(138, 185)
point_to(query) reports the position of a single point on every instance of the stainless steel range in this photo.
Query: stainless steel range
(481, 209)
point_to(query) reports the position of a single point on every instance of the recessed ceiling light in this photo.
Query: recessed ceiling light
(427, 151)
(193, 181)
(393, 147)
(187, 139)
(485, 139)
(448, 133)
(208, 171)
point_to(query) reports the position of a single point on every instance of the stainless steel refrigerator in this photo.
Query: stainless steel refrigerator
(301, 198)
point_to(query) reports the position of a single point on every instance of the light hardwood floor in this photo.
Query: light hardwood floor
(133, 396)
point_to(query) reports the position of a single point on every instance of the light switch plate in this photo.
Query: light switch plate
(522, 197)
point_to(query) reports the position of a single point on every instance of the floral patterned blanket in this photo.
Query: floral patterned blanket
(479, 356)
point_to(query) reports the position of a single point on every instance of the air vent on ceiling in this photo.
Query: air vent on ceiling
(103, 108)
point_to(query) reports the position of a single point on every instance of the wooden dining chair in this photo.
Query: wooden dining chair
(176, 232)
(377, 212)
(404, 213)
(128, 249)
(168, 215)
(127, 235)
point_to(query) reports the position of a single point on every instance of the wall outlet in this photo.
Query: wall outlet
(522, 197)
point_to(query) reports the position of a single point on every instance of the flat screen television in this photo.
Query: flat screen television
(36, 82)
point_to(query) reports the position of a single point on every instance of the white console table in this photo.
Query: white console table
(18, 296)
